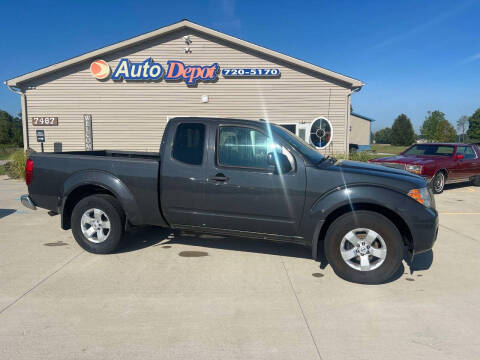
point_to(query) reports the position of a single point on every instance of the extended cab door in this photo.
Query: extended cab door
(243, 192)
(182, 172)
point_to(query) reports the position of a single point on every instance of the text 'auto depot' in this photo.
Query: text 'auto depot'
(175, 70)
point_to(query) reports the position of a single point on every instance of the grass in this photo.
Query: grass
(6, 151)
(388, 149)
(3, 171)
(16, 167)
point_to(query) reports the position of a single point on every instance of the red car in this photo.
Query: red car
(438, 163)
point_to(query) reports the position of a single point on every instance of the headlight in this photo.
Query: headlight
(416, 169)
(423, 196)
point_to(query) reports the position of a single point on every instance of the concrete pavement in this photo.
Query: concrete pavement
(166, 296)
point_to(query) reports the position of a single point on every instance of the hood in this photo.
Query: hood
(360, 172)
(410, 159)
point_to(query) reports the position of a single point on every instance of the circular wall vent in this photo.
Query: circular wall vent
(321, 133)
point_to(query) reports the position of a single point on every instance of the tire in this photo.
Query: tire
(111, 224)
(438, 182)
(389, 239)
(476, 181)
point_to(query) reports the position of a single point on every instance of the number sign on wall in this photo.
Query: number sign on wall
(45, 121)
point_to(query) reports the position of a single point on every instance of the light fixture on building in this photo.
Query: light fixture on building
(205, 99)
(188, 41)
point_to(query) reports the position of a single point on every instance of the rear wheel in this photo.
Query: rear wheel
(98, 223)
(438, 182)
(364, 247)
(475, 181)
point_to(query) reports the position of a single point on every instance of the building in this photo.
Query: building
(121, 96)
(360, 131)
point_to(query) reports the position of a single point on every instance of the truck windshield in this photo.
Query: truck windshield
(299, 144)
(430, 150)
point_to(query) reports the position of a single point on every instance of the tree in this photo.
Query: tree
(473, 131)
(430, 125)
(383, 136)
(461, 125)
(402, 131)
(445, 132)
(10, 129)
(6, 133)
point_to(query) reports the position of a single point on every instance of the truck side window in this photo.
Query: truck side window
(246, 147)
(189, 143)
(242, 147)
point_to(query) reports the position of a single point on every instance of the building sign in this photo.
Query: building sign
(45, 121)
(87, 125)
(176, 70)
(149, 70)
(40, 136)
(249, 72)
(100, 69)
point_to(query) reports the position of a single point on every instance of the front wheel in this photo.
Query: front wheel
(364, 247)
(98, 223)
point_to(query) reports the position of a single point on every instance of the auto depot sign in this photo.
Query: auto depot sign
(149, 70)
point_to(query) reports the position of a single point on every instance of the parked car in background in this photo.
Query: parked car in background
(438, 163)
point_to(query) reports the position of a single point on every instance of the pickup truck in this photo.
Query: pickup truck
(438, 163)
(242, 178)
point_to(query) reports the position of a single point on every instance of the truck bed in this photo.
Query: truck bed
(136, 174)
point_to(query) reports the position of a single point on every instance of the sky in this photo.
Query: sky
(413, 56)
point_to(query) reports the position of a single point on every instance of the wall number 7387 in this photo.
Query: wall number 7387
(250, 72)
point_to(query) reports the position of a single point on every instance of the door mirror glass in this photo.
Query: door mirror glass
(279, 161)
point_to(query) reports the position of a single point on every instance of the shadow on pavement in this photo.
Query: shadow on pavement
(457, 185)
(6, 212)
(140, 238)
(143, 237)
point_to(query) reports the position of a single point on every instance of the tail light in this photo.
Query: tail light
(28, 172)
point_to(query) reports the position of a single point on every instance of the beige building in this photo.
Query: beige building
(360, 131)
(121, 96)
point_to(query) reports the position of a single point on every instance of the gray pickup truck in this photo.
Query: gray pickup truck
(241, 178)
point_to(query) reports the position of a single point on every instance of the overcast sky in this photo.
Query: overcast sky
(413, 56)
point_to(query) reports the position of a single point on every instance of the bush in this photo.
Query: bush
(363, 156)
(16, 167)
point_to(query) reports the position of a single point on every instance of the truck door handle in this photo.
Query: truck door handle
(219, 177)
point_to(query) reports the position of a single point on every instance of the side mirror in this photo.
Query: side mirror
(459, 157)
(283, 166)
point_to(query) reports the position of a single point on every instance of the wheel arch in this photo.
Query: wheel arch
(83, 184)
(396, 219)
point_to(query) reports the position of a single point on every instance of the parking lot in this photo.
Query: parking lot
(173, 296)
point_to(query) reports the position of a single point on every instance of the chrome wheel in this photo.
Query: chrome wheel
(439, 182)
(363, 249)
(95, 225)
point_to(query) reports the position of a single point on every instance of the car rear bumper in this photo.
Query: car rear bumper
(27, 202)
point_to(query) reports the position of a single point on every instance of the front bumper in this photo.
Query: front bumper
(425, 232)
(27, 202)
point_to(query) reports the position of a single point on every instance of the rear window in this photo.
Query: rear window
(431, 150)
(189, 143)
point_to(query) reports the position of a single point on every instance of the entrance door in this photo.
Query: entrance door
(243, 192)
